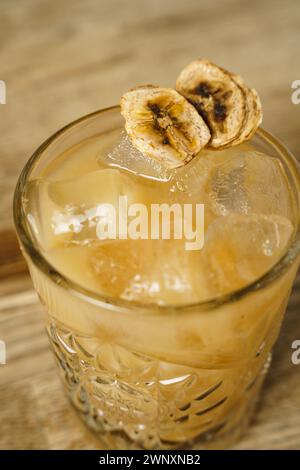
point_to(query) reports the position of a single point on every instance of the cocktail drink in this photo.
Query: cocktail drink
(160, 346)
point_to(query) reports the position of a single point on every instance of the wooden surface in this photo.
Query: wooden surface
(61, 60)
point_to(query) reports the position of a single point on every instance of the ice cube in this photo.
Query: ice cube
(189, 184)
(190, 180)
(250, 182)
(73, 261)
(238, 248)
(158, 271)
(39, 210)
(126, 157)
(67, 211)
(173, 277)
(90, 189)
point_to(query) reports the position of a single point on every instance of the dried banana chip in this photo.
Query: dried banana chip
(218, 98)
(253, 111)
(163, 124)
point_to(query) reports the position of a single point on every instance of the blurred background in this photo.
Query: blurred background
(63, 59)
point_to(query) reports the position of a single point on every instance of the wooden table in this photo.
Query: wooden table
(61, 60)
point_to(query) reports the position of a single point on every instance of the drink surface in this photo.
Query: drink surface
(248, 219)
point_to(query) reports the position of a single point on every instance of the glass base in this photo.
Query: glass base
(213, 439)
(185, 411)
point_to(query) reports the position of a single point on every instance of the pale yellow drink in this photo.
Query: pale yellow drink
(160, 347)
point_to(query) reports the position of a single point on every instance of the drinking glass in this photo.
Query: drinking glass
(159, 377)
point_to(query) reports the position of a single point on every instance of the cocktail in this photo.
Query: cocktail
(160, 346)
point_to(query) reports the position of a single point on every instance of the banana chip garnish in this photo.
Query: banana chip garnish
(253, 111)
(211, 107)
(231, 110)
(164, 125)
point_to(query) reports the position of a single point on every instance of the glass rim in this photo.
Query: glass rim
(39, 260)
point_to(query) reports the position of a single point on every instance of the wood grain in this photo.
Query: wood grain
(61, 60)
(12, 262)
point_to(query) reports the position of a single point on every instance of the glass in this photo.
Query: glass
(168, 376)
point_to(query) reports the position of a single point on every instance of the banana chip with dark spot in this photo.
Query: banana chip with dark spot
(163, 125)
(230, 109)
(253, 111)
